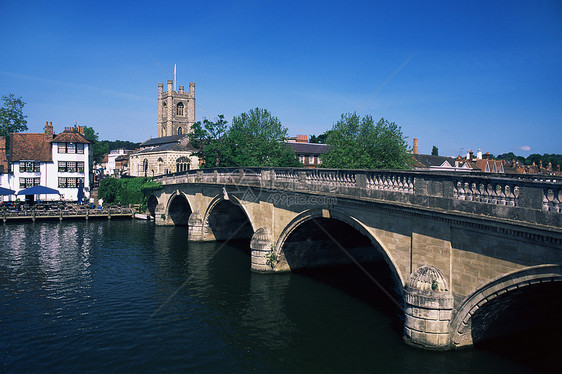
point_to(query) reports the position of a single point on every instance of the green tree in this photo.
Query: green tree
(209, 138)
(321, 139)
(12, 118)
(360, 143)
(255, 138)
(435, 151)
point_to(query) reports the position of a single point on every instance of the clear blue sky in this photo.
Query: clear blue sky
(455, 74)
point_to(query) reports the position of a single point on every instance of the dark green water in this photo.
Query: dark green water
(126, 296)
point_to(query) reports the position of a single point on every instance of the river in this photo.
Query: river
(128, 296)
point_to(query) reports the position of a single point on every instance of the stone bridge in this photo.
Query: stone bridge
(461, 247)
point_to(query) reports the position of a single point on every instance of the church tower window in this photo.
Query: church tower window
(179, 110)
(179, 131)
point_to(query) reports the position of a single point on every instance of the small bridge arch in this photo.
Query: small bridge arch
(178, 209)
(226, 219)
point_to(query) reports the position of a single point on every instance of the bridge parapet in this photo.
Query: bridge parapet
(524, 198)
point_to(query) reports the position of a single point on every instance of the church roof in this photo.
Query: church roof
(162, 140)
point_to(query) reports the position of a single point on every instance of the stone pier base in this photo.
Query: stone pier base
(263, 259)
(428, 309)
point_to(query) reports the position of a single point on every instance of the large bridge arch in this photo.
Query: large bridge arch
(336, 215)
(465, 332)
(226, 219)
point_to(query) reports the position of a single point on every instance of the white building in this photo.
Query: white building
(111, 157)
(54, 161)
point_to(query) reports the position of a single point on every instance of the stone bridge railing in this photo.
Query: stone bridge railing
(524, 198)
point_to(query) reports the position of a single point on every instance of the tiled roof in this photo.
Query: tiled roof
(308, 148)
(433, 161)
(29, 147)
(70, 137)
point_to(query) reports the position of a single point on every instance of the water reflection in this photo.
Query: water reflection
(144, 299)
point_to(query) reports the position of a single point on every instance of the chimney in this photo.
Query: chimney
(81, 129)
(302, 138)
(470, 155)
(479, 154)
(415, 148)
(487, 155)
(48, 131)
(3, 144)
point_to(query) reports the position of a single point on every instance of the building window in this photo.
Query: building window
(179, 111)
(69, 182)
(29, 182)
(301, 159)
(70, 147)
(71, 166)
(311, 159)
(182, 164)
(29, 167)
(179, 130)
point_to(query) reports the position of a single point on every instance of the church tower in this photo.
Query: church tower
(176, 110)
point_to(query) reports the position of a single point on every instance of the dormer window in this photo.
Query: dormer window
(179, 110)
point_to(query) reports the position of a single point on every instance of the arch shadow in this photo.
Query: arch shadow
(226, 219)
(178, 209)
(353, 223)
(478, 314)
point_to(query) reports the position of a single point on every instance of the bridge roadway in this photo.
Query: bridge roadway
(460, 247)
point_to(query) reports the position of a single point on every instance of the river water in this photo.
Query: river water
(128, 296)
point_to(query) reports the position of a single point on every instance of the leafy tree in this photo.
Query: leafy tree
(102, 147)
(127, 190)
(359, 143)
(12, 118)
(209, 138)
(321, 139)
(256, 138)
(435, 151)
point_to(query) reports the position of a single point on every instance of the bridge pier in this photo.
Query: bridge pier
(195, 229)
(263, 254)
(428, 309)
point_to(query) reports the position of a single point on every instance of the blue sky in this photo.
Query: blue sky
(455, 74)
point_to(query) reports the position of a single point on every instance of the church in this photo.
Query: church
(171, 151)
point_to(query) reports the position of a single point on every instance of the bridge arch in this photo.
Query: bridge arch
(151, 205)
(178, 209)
(352, 222)
(465, 330)
(226, 219)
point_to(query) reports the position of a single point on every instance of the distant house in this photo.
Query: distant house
(111, 168)
(430, 162)
(56, 161)
(307, 153)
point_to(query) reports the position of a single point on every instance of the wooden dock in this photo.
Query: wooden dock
(66, 214)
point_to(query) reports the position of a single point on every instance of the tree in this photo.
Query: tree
(435, 151)
(209, 138)
(320, 139)
(359, 143)
(256, 138)
(12, 118)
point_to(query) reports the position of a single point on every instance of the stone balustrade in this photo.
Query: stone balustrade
(530, 199)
